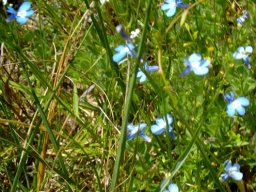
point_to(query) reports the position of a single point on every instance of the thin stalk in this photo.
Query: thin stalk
(23, 159)
(127, 105)
(104, 40)
(49, 130)
(240, 185)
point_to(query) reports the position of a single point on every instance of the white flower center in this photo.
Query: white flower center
(135, 33)
(162, 125)
(135, 130)
(232, 170)
(236, 104)
(125, 50)
(195, 64)
(22, 14)
(244, 54)
(172, 4)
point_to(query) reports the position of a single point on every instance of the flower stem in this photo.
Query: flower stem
(127, 105)
(240, 185)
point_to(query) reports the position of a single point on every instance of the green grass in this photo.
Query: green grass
(65, 105)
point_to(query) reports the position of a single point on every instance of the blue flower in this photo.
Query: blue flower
(243, 53)
(232, 171)
(122, 51)
(121, 31)
(161, 126)
(22, 14)
(236, 105)
(152, 68)
(141, 75)
(172, 188)
(170, 6)
(229, 97)
(240, 20)
(196, 64)
(132, 131)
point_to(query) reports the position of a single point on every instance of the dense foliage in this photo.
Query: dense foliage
(128, 95)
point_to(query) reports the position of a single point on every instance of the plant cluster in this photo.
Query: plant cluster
(76, 104)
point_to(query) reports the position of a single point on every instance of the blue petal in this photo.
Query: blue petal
(228, 165)
(130, 137)
(131, 131)
(243, 100)
(237, 55)
(248, 49)
(119, 48)
(132, 53)
(186, 71)
(142, 126)
(130, 127)
(170, 1)
(236, 175)
(229, 97)
(159, 121)
(224, 177)
(200, 70)
(240, 49)
(240, 19)
(205, 63)
(121, 31)
(24, 6)
(195, 57)
(182, 5)
(29, 13)
(165, 7)
(169, 119)
(173, 136)
(10, 10)
(173, 188)
(171, 12)
(144, 136)
(117, 57)
(236, 166)
(187, 63)
(232, 94)
(157, 130)
(243, 17)
(240, 110)
(150, 68)
(141, 76)
(130, 46)
(247, 62)
(10, 18)
(21, 20)
(139, 73)
(230, 110)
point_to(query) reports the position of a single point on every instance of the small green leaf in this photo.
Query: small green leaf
(183, 17)
(75, 101)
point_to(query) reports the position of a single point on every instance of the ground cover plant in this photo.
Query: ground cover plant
(127, 95)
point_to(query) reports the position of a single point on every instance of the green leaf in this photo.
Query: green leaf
(183, 17)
